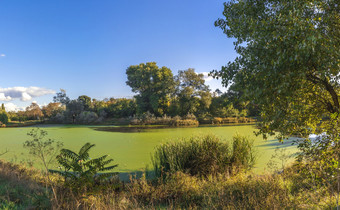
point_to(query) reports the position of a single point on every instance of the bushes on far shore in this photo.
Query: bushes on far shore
(188, 120)
(150, 119)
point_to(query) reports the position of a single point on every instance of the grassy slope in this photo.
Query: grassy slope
(22, 188)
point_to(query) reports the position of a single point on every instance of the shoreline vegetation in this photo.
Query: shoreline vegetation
(163, 122)
(185, 101)
(188, 175)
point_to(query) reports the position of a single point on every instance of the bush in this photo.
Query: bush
(150, 119)
(3, 117)
(59, 118)
(82, 173)
(87, 117)
(204, 156)
(217, 120)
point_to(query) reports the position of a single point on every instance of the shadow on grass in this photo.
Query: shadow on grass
(275, 143)
(125, 176)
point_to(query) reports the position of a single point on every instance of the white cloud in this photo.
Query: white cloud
(5, 98)
(23, 93)
(25, 96)
(2, 55)
(206, 76)
(12, 107)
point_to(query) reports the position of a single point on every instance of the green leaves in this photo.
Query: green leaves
(153, 85)
(41, 148)
(289, 59)
(80, 171)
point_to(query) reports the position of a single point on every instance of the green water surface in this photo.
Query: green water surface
(132, 151)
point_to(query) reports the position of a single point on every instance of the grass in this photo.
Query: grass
(202, 180)
(23, 188)
(204, 156)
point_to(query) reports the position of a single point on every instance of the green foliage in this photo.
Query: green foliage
(121, 107)
(61, 97)
(319, 159)
(204, 156)
(153, 85)
(86, 101)
(41, 148)
(33, 112)
(82, 173)
(3, 117)
(288, 61)
(192, 94)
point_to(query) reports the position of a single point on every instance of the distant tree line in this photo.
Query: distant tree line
(158, 93)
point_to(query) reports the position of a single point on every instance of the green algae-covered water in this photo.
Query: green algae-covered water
(132, 150)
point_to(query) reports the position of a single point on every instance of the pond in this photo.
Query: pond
(132, 150)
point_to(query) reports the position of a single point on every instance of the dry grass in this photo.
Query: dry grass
(24, 188)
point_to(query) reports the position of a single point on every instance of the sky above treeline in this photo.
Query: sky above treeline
(85, 46)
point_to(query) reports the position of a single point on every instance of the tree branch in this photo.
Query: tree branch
(330, 89)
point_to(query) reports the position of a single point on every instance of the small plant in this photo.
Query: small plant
(279, 160)
(81, 173)
(41, 148)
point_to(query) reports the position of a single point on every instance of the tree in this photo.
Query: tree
(153, 86)
(52, 109)
(41, 148)
(288, 60)
(121, 107)
(86, 101)
(61, 97)
(193, 94)
(33, 111)
(3, 117)
(73, 109)
(289, 64)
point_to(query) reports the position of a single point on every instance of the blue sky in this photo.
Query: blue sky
(85, 46)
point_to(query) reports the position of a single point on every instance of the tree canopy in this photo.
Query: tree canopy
(192, 94)
(288, 60)
(153, 85)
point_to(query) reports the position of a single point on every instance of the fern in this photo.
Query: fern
(80, 171)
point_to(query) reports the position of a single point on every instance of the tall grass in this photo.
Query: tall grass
(204, 156)
(23, 188)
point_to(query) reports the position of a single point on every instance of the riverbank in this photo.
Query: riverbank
(162, 122)
(23, 188)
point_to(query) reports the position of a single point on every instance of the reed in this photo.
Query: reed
(204, 156)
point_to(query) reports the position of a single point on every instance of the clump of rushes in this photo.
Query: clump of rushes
(203, 156)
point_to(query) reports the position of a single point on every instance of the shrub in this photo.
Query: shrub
(204, 156)
(150, 119)
(217, 120)
(190, 116)
(81, 173)
(58, 118)
(3, 117)
(87, 117)
(42, 148)
(185, 122)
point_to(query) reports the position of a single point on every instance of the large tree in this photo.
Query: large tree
(34, 112)
(289, 64)
(52, 109)
(61, 97)
(153, 86)
(86, 101)
(288, 60)
(192, 94)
